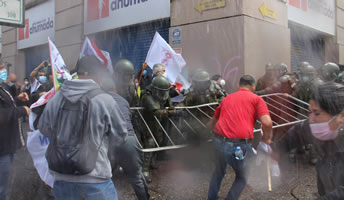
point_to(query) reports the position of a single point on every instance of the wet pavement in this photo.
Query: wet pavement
(185, 175)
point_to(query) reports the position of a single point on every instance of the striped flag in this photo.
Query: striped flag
(90, 48)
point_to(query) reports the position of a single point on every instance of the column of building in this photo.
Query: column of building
(69, 29)
(340, 29)
(230, 37)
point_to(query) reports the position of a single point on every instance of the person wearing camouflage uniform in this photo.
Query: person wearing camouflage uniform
(329, 72)
(340, 78)
(124, 81)
(285, 84)
(307, 80)
(268, 79)
(155, 100)
(281, 109)
(203, 90)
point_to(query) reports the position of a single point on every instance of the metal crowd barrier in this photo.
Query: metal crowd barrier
(285, 110)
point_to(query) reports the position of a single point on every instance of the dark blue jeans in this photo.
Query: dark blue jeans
(87, 191)
(5, 169)
(224, 154)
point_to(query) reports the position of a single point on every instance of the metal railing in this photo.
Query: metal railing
(285, 110)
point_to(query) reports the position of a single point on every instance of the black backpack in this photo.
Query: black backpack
(71, 150)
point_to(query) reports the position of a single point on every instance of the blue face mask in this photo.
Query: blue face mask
(42, 79)
(3, 76)
(305, 79)
(10, 84)
(144, 72)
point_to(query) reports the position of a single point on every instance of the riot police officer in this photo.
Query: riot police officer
(221, 83)
(285, 84)
(300, 66)
(281, 69)
(307, 80)
(307, 77)
(329, 72)
(268, 79)
(125, 87)
(203, 90)
(155, 100)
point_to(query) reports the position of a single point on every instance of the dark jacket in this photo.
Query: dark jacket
(11, 137)
(330, 173)
(125, 109)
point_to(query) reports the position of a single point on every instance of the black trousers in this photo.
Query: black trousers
(130, 158)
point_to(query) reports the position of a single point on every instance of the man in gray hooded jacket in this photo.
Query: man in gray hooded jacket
(104, 119)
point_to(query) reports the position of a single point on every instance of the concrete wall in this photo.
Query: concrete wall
(69, 29)
(264, 43)
(340, 30)
(233, 40)
(184, 12)
(216, 46)
(10, 53)
(251, 8)
(32, 3)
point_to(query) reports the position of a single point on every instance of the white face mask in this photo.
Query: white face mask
(222, 83)
(322, 131)
(164, 74)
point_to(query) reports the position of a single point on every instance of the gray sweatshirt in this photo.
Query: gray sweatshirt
(105, 117)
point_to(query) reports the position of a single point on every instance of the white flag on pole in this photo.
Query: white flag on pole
(160, 52)
(58, 66)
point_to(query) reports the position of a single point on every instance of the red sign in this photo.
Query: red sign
(97, 9)
(24, 33)
(302, 4)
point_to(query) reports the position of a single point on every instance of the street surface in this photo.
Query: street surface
(185, 175)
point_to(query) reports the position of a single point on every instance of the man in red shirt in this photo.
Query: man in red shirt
(235, 118)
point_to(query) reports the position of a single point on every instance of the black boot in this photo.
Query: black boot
(292, 155)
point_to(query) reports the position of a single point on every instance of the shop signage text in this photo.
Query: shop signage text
(36, 27)
(101, 15)
(118, 4)
(317, 14)
(39, 25)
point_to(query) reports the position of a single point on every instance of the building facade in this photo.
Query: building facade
(226, 37)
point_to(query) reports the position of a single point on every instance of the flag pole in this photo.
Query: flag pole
(269, 174)
(143, 67)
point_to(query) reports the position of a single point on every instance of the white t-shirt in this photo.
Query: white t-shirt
(34, 86)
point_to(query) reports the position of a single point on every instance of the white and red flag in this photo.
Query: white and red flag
(90, 48)
(160, 52)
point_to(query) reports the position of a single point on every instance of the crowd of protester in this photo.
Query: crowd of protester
(91, 128)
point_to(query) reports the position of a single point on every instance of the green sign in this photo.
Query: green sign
(12, 13)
